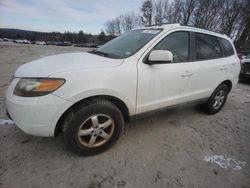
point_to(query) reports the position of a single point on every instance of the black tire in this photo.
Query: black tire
(209, 106)
(84, 113)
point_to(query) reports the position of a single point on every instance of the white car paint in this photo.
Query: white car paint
(67, 62)
(20, 41)
(161, 55)
(40, 43)
(162, 85)
(140, 86)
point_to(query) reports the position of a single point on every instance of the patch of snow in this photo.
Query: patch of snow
(6, 122)
(225, 163)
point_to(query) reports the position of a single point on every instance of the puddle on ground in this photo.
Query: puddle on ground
(226, 163)
(6, 122)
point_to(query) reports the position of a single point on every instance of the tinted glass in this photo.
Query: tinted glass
(207, 47)
(227, 47)
(128, 43)
(178, 44)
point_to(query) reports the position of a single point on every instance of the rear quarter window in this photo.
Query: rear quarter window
(226, 47)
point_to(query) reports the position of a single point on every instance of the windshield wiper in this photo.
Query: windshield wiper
(99, 53)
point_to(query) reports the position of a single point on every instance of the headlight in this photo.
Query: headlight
(34, 87)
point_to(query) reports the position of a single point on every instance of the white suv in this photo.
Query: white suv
(88, 95)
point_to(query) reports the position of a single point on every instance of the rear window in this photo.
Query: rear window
(207, 47)
(227, 47)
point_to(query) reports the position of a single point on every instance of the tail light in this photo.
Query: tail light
(241, 59)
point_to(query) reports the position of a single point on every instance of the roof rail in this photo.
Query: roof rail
(178, 24)
(203, 29)
(163, 24)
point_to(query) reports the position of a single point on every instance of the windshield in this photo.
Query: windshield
(248, 56)
(128, 43)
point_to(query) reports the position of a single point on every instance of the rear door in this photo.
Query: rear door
(209, 64)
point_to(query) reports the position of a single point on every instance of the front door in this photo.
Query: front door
(162, 85)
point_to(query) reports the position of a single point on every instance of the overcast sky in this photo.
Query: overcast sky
(62, 15)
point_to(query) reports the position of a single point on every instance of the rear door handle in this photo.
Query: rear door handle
(187, 74)
(223, 68)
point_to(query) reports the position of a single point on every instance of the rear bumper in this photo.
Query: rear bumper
(35, 115)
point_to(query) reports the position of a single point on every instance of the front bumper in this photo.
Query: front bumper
(35, 115)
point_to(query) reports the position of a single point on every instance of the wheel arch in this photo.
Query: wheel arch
(116, 101)
(228, 83)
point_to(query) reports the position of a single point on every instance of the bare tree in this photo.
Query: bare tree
(137, 20)
(113, 27)
(176, 11)
(159, 12)
(117, 23)
(110, 27)
(127, 21)
(243, 38)
(171, 14)
(147, 12)
(230, 16)
(166, 7)
(207, 14)
(187, 9)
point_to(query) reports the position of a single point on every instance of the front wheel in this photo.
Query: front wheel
(216, 100)
(94, 127)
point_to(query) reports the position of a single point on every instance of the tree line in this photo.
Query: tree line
(230, 17)
(73, 37)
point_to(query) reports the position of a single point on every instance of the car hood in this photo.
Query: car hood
(50, 65)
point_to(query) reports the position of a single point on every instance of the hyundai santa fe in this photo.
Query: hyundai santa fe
(89, 95)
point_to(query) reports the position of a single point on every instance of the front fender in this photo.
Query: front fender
(104, 92)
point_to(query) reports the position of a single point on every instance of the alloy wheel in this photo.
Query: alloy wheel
(219, 99)
(96, 130)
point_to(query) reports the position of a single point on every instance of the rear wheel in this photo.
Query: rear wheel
(216, 100)
(94, 127)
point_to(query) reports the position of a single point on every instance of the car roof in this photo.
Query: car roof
(167, 27)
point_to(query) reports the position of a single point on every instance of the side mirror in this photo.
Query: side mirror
(160, 57)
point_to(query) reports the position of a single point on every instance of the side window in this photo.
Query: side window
(178, 44)
(227, 47)
(207, 47)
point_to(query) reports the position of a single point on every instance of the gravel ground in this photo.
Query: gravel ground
(179, 147)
